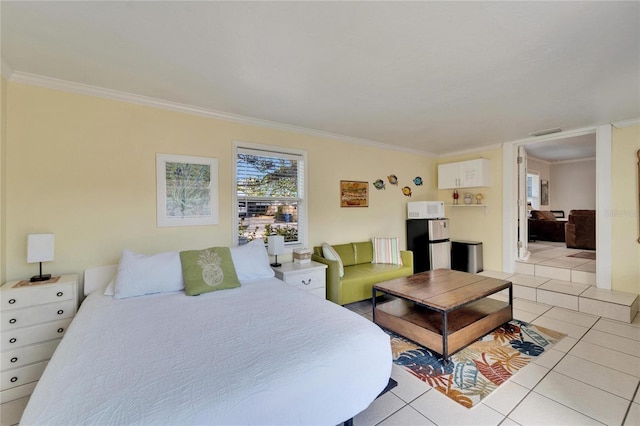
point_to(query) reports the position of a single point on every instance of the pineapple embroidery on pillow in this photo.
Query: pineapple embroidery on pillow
(211, 272)
(208, 270)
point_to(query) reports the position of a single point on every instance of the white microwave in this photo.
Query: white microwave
(425, 209)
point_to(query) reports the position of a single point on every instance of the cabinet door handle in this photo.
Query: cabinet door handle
(12, 301)
(12, 340)
(60, 330)
(307, 282)
(14, 379)
(14, 359)
(60, 312)
(12, 321)
(59, 294)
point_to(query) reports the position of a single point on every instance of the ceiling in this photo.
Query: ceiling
(434, 77)
(572, 148)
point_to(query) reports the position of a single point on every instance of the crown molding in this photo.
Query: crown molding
(626, 123)
(471, 150)
(100, 92)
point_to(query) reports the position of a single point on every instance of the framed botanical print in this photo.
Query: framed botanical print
(187, 190)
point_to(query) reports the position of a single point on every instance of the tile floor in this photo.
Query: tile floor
(550, 276)
(591, 377)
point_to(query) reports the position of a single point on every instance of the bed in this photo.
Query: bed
(263, 353)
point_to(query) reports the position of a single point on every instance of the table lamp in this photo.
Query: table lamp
(40, 249)
(275, 246)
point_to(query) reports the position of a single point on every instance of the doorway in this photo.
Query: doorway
(514, 206)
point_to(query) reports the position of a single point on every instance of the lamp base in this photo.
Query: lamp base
(275, 265)
(37, 278)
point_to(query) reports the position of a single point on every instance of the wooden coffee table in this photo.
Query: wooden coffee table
(442, 310)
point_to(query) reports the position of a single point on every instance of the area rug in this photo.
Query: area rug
(584, 255)
(476, 371)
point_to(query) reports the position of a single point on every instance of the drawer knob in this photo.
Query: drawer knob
(12, 340)
(14, 379)
(14, 359)
(60, 330)
(12, 321)
(60, 312)
(59, 294)
(307, 282)
(12, 301)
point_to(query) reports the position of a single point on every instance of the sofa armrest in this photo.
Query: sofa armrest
(333, 276)
(407, 258)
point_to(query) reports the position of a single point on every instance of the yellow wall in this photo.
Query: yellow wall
(3, 180)
(84, 168)
(475, 223)
(625, 211)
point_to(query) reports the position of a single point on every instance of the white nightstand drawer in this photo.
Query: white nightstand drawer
(22, 376)
(24, 355)
(16, 318)
(11, 412)
(35, 334)
(307, 280)
(36, 295)
(17, 392)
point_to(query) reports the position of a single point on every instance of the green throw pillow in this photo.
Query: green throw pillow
(208, 270)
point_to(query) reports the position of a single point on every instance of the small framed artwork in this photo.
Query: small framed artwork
(544, 192)
(187, 190)
(354, 193)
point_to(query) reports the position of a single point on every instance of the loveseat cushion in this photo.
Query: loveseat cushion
(355, 253)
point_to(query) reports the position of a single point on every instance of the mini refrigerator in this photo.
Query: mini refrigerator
(429, 241)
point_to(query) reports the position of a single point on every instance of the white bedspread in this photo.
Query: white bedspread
(264, 353)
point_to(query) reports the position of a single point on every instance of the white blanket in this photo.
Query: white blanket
(264, 353)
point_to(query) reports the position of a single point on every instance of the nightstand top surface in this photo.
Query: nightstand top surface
(20, 284)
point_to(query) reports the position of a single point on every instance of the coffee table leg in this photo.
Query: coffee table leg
(445, 349)
(373, 303)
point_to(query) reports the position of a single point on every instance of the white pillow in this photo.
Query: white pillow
(386, 250)
(251, 261)
(110, 287)
(140, 274)
(330, 253)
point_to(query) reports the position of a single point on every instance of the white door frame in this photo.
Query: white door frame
(603, 199)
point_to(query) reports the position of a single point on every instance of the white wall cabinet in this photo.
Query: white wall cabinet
(465, 174)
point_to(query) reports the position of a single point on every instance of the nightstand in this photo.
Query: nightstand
(307, 276)
(34, 317)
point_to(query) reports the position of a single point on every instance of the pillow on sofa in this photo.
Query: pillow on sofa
(385, 250)
(208, 270)
(140, 274)
(328, 252)
(251, 261)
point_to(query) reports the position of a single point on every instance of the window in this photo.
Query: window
(533, 194)
(270, 193)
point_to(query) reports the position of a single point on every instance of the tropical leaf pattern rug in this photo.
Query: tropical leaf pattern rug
(477, 370)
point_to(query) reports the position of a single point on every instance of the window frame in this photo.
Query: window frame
(303, 215)
(535, 189)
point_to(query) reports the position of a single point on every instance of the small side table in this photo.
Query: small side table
(310, 276)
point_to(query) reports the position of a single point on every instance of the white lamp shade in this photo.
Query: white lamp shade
(40, 247)
(275, 244)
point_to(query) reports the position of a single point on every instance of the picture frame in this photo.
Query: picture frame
(187, 190)
(354, 193)
(544, 192)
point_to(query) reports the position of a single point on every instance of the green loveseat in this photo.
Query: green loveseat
(359, 273)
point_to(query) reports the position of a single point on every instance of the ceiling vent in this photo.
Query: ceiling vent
(545, 132)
